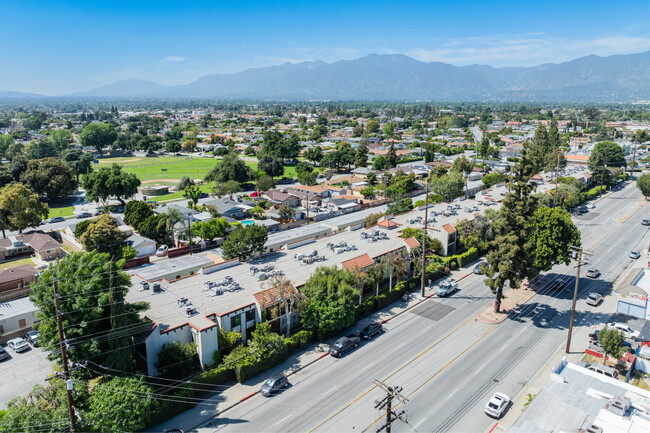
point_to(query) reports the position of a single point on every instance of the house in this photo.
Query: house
(230, 208)
(144, 246)
(270, 305)
(323, 190)
(16, 318)
(16, 280)
(577, 159)
(632, 294)
(360, 263)
(282, 197)
(343, 205)
(184, 211)
(43, 246)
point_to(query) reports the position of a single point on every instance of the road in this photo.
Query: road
(447, 363)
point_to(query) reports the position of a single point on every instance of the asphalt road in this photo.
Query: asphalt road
(447, 363)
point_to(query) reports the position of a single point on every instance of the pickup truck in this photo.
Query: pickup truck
(343, 344)
(446, 288)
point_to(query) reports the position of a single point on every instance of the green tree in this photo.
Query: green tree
(212, 229)
(391, 157)
(463, 166)
(307, 178)
(643, 184)
(314, 154)
(611, 341)
(265, 183)
(98, 135)
(230, 168)
(539, 149)
(49, 177)
(286, 213)
(271, 165)
(245, 242)
(193, 192)
(42, 148)
(118, 356)
(276, 144)
(81, 228)
(361, 156)
(169, 220)
(331, 299)
(102, 235)
(122, 404)
(372, 126)
(553, 237)
(615, 157)
(173, 146)
(80, 162)
(512, 257)
(175, 359)
(135, 212)
(84, 283)
(110, 182)
(155, 227)
(493, 178)
(229, 187)
(367, 191)
(449, 186)
(61, 139)
(21, 208)
(6, 142)
(379, 163)
(371, 177)
(389, 129)
(184, 183)
(483, 147)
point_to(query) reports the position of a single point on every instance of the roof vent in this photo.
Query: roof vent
(594, 429)
(619, 405)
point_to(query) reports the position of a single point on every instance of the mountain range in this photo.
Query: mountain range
(618, 78)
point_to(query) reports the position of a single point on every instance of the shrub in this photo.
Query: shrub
(298, 340)
(467, 257)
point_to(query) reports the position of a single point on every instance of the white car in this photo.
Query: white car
(446, 288)
(162, 251)
(18, 344)
(497, 405)
(625, 330)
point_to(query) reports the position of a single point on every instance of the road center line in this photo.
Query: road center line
(420, 422)
(327, 392)
(283, 419)
(367, 366)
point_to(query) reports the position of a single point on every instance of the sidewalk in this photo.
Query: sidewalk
(511, 300)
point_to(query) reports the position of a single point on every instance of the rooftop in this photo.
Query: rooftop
(16, 307)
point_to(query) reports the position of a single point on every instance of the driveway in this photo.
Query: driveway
(20, 373)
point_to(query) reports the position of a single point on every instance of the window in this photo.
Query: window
(2, 329)
(50, 251)
(250, 315)
(21, 323)
(235, 321)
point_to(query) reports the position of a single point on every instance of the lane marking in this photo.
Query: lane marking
(330, 390)
(436, 374)
(449, 396)
(393, 373)
(367, 367)
(421, 421)
(283, 419)
(594, 246)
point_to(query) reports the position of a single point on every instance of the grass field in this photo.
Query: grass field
(14, 263)
(176, 167)
(64, 211)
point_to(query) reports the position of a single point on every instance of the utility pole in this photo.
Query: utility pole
(424, 238)
(633, 158)
(64, 355)
(602, 175)
(387, 402)
(557, 175)
(580, 254)
(189, 229)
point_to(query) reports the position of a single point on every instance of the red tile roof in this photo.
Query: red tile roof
(449, 228)
(358, 263)
(411, 242)
(272, 296)
(389, 224)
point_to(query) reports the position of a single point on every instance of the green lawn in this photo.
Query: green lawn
(64, 211)
(14, 263)
(177, 195)
(176, 167)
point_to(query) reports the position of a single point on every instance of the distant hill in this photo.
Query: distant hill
(619, 78)
(17, 95)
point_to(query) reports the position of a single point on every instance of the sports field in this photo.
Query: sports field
(167, 168)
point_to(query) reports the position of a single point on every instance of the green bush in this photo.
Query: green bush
(467, 257)
(298, 340)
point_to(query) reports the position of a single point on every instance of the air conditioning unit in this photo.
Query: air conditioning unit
(619, 405)
(157, 288)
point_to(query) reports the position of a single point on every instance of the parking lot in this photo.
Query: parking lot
(21, 372)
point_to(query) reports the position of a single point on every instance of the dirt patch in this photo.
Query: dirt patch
(103, 161)
(511, 300)
(161, 180)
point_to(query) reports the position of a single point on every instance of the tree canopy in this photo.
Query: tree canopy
(230, 168)
(615, 156)
(271, 165)
(245, 242)
(643, 184)
(98, 135)
(102, 235)
(21, 208)
(110, 182)
(137, 211)
(553, 237)
(49, 177)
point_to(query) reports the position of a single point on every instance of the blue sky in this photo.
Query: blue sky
(55, 47)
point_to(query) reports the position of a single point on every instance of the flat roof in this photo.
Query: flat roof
(352, 218)
(302, 232)
(160, 269)
(16, 307)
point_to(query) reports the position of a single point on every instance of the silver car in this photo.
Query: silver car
(594, 299)
(18, 344)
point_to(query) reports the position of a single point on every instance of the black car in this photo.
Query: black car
(645, 223)
(557, 284)
(3, 354)
(32, 337)
(371, 330)
(273, 384)
(344, 344)
(204, 195)
(583, 209)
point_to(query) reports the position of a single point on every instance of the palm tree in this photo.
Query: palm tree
(171, 217)
(376, 273)
(395, 265)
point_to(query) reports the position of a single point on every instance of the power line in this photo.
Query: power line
(386, 402)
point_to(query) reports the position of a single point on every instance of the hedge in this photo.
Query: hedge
(246, 371)
(298, 340)
(467, 257)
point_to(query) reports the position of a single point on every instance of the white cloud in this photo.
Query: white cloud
(171, 59)
(525, 50)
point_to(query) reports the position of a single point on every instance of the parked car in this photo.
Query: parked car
(599, 368)
(18, 344)
(274, 384)
(162, 251)
(593, 273)
(590, 206)
(446, 288)
(56, 220)
(84, 215)
(583, 209)
(32, 337)
(478, 269)
(497, 405)
(204, 195)
(557, 284)
(626, 330)
(594, 299)
(343, 345)
(634, 255)
(3, 354)
(371, 330)
(645, 222)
